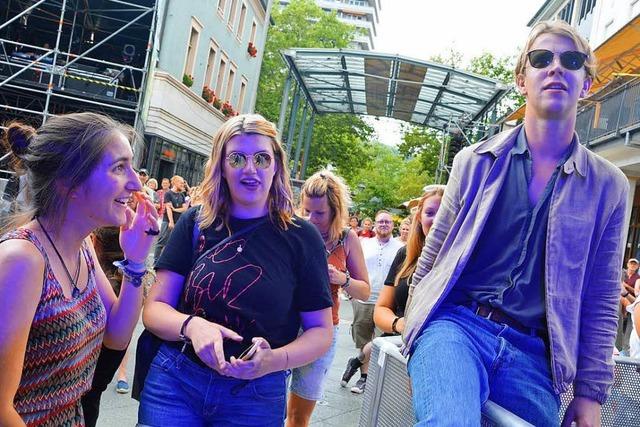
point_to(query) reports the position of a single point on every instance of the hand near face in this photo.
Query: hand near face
(135, 243)
(259, 365)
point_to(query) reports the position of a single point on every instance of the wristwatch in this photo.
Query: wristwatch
(347, 282)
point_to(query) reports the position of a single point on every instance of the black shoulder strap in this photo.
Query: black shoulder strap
(228, 238)
(343, 235)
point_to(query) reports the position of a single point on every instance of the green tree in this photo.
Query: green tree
(338, 139)
(388, 181)
(421, 142)
(500, 69)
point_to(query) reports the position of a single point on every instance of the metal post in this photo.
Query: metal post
(143, 82)
(623, 97)
(296, 158)
(307, 144)
(24, 12)
(292, 121)
(284, 103)
(54, 65)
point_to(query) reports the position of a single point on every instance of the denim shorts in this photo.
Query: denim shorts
(308, 381)
(179, 392)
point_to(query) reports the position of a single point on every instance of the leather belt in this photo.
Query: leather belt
(499, 316)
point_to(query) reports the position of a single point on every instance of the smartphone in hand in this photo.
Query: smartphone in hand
(249, 352)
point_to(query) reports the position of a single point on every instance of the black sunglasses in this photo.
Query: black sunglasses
(261, 160)
(571, 59)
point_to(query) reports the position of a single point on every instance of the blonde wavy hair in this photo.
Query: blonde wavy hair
(326, 183)
(559, 28)
(215, 196)
(416, 238)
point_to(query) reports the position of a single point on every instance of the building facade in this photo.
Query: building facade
(205, 67)
(362, 14)
(608, 120)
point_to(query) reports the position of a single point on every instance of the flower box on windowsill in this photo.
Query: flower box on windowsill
(252, 50)
(187, 80)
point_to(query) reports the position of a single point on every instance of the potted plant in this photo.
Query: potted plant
(187, 80)
(252, 50)
(216, 103)
(208, 94)
(227, 109)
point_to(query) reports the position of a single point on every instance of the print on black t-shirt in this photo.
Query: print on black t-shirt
(258, 291)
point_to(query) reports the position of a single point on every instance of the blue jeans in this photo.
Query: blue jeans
(180, 392)
(460, 360)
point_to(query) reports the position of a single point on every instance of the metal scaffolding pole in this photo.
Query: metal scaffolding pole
(58, 73)
(24, 12)
(54, 65)
(292, 121)
(296, 157)
(284, 103)
(144, 82)
(307, 144)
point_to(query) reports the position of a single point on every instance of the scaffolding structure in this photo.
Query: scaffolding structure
(60, 56)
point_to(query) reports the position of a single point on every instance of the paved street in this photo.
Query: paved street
(339, 408)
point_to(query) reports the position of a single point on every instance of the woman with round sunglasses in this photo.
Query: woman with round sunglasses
(57, 307)
(231, 319)
(324, 200)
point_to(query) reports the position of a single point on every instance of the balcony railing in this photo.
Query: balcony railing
(613, 115)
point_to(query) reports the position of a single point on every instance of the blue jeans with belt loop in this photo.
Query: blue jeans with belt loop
(180, 392)
(460, 360)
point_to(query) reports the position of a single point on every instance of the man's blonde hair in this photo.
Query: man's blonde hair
(559, 28)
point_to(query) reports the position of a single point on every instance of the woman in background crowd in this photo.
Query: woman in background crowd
(265, 279)
(367, 229)
(405, 226)
(354, 224)
(324, 200)
(389, 312)
(79, 176)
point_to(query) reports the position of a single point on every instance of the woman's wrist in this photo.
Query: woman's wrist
(134, 265)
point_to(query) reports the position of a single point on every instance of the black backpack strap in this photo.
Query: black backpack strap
(343, 236)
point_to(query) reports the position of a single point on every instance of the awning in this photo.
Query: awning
(372, 83)
(617, 57)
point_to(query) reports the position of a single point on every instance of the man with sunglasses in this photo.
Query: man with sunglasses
(516, 289)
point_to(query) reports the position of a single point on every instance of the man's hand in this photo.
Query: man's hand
(583, 411)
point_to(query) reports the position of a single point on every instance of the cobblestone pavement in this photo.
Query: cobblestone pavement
(340, 407)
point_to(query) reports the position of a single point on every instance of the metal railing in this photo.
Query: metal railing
(618, 112)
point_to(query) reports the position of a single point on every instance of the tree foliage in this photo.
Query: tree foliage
(500, 69)
(389, 180)
(338, 139)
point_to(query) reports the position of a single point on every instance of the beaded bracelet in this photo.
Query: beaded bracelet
(131, 271)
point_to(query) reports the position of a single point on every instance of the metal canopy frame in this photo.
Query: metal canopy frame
(63, 61)
(339, 81)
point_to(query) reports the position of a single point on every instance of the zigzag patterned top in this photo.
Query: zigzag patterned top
(62, 349)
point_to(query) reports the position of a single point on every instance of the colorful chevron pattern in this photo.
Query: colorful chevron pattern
(62, 350)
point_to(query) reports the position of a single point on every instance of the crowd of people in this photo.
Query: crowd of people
(504, 285)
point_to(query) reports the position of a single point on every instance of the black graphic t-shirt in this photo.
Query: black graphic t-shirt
(257, 284)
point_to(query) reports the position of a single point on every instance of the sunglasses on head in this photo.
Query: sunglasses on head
(571, 59)
(261, 160)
